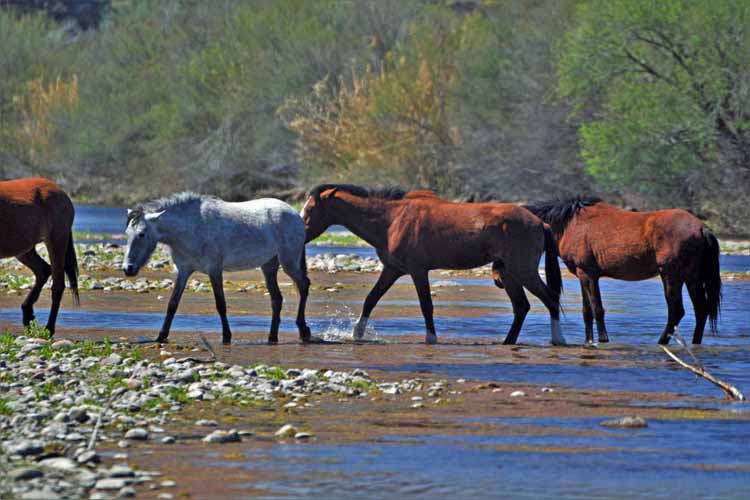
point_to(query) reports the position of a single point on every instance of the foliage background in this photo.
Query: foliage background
(639, 101)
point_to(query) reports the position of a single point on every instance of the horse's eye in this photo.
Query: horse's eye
(141, 235)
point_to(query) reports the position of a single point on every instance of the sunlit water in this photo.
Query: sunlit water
(670, 459)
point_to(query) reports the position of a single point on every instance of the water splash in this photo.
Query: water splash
(340, 327)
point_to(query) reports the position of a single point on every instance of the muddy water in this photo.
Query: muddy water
(484, 445)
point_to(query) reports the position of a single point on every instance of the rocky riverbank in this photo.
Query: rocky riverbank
(63, 402)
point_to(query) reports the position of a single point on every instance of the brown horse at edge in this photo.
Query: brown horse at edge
(417, 231)
(34, 211)
(599, 240)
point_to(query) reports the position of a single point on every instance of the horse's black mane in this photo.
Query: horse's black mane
(559, 212)
(385, 193)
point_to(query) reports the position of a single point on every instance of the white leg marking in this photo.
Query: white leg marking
(359, 328)
(557, 335)
(430, 338)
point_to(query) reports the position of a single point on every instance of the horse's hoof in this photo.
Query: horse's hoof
(430, 339)
(161, 339)
(273, 340)
(227, 341)
(603, 339)
(313, 340)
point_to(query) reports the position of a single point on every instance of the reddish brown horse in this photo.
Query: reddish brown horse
(597, 239)
(34, 211)
(417, 231)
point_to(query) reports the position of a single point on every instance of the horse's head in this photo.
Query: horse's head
(142, 237)
(314, 213)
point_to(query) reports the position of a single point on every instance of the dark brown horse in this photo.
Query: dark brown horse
(597, 239)
(417, 231)
(34, 211)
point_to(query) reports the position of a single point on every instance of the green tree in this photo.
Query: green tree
(663, 90)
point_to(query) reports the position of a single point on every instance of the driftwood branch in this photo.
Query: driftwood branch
(731, 391)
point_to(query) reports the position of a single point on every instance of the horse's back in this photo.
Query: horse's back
(31, 210)
(252, 232)
(468, 234)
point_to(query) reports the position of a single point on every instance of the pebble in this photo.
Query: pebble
(59, 463)
(206, 423)
(110, 484)
(137, 434)
(167, 440)
(62, 344)
(88, 456)
(25, 474)
(517, 394)
(303, 435)
(286, 430)
(119, 470)
(126, 492)
(635, 422)
(168, 484)
(218, 436)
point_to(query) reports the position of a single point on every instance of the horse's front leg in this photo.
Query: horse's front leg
(422, 284)
(182, 277)
(387, 278)
(217, 283)
(270, 270)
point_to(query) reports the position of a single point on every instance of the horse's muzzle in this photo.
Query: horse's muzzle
(129, 270)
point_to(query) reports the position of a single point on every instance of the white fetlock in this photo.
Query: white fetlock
(360, 327)
(557, 335)
(430, 338)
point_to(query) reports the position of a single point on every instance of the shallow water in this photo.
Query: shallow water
(669, 459)
(679, 458)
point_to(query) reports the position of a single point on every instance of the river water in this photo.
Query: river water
(672, 458)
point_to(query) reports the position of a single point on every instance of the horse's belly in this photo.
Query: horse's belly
(247, 260)
(633, 269)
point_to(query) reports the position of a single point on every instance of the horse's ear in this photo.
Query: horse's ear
(129, 212)
(154, 215)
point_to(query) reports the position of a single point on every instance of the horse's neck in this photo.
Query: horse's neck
(366, 219)
(174, 232)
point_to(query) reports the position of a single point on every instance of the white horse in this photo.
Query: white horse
(210, 235)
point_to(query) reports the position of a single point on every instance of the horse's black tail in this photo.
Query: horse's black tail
(551, 267)
(71, 268)
(711, 277)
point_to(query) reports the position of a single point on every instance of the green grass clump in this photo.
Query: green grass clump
(340, 240)
(37, 331)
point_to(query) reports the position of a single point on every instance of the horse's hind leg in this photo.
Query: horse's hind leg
(520, 307)
(536, 286)
(673, 294)
(270, 269)
(297, 270)
(588, 315)
(217, 283)
(422, 284)
(596, 303)
(56, 246)
(698, 298)
(42, 271)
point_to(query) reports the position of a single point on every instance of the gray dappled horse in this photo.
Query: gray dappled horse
(210, 235)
